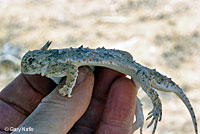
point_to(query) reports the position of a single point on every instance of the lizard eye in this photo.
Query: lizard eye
(30, 60)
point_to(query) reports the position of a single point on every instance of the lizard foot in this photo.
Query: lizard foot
(139, 117)
(155, 114)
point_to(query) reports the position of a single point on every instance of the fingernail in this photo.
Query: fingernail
(83, 71)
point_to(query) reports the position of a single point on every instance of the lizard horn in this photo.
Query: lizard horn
(46, 46)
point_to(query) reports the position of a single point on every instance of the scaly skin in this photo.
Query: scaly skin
(58, 63)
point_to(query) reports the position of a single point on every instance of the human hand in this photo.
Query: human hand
(109, 109)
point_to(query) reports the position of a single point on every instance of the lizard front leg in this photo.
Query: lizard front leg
(70, 81)
(156, 113)
(63, 70)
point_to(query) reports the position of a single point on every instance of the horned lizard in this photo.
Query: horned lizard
(58, 63)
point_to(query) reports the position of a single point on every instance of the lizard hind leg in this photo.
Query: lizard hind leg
(165, 84)
(156, 113)
(139, 117)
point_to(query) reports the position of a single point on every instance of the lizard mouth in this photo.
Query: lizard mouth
(26, 70)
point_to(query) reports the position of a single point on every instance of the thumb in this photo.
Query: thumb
(57, 114)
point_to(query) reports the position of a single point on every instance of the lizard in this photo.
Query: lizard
(58, 63)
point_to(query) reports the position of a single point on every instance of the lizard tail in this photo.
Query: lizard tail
(179, 92)
(165, 84)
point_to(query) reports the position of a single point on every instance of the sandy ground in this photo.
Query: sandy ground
(159, 34)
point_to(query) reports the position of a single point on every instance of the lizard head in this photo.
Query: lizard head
(33, 61)
(30, 62)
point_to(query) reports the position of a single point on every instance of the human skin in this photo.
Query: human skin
(103, 102)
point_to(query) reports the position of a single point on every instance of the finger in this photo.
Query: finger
(57, 114)
(21, 97)
(120, 108)
(42, 85)
(104, 77)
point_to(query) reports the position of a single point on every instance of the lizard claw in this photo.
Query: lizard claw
(156, 115)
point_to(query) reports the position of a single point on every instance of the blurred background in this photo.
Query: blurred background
(161, 34)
